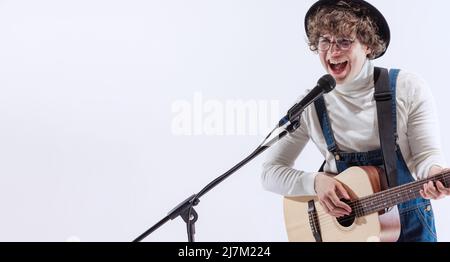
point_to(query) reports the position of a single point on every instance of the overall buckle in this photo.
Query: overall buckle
(384, 96)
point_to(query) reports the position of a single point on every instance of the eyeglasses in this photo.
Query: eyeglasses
(343, 44)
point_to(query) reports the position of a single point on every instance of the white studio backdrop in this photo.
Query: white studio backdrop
(113, 112)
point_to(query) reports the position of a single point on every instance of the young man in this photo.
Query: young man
(348, 35)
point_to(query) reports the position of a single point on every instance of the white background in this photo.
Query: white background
(87, 150)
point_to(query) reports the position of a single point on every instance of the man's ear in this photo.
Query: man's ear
(368, 50)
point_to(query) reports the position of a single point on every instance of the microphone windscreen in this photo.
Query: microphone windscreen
(327, 83)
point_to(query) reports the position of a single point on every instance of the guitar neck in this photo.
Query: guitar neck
(394, 196)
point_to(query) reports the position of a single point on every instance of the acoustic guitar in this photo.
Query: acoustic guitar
(374, 214)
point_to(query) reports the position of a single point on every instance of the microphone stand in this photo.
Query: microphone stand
(186, 208)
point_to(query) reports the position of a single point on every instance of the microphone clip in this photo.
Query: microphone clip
(294, 125)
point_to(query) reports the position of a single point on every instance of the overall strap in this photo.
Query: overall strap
(324, 121)
(386, 112)
(393, 76)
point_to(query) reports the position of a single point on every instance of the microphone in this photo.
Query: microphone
(325, 85)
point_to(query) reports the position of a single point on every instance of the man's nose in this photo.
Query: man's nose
(334, 50)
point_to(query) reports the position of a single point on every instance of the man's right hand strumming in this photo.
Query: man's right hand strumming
(330, 192)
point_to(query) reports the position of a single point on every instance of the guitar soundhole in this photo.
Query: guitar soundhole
(347, 221)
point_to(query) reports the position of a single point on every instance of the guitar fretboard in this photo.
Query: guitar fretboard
(394, 196)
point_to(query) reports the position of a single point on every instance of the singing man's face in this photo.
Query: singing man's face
(342, 63)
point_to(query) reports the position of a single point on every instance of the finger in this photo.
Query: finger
(430, 190)
(341, 212)
(333, 210)
(325, 206)
(424, 189)
(329, 205)
(442, 189)
(426, 195)
(431, 184)
(434, 190)
(342, 191)
(338, 212)
(422, 193)
(339, 204)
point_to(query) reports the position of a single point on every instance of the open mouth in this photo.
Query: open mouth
(338, 68)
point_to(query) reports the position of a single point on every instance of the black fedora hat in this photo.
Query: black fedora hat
(366, 10)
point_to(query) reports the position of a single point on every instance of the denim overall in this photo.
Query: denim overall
(416, 216)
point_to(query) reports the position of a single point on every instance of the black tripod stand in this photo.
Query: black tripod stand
(186, 208)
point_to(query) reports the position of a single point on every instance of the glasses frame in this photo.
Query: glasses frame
(335, 43)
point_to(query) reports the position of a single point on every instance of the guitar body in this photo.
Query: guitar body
(359, 182)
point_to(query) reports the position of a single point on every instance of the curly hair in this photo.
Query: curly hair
(345, 20)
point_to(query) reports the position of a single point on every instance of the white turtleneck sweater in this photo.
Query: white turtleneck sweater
(352, 111)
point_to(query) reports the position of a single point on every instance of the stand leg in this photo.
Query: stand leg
(190, 216)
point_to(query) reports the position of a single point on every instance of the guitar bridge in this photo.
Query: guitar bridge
(314, 221)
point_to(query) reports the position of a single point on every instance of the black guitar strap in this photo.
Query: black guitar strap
(388, 136)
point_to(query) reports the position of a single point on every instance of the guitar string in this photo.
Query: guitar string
(374, 206)
(379, 198)
(325, 220)
(359, 210)
(374, 203)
